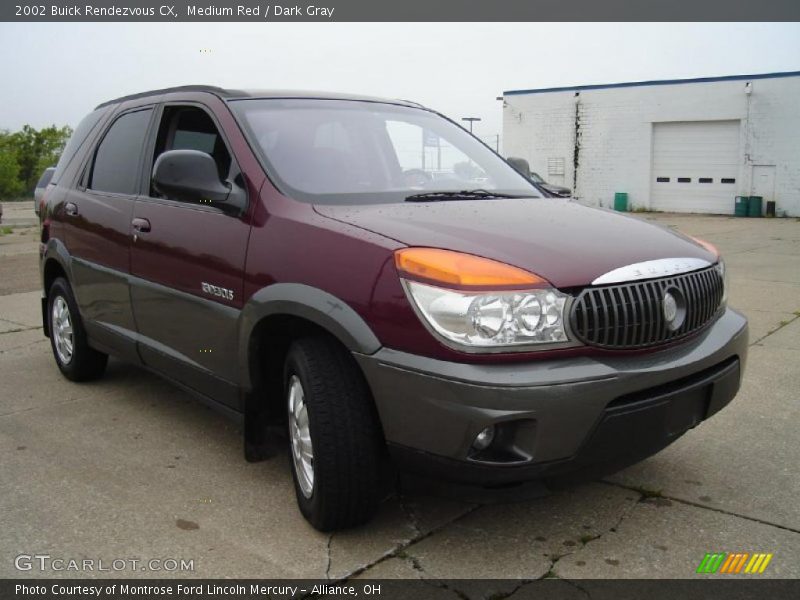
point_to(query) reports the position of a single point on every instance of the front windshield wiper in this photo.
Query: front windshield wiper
(462, 195)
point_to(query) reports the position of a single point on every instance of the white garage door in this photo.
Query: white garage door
(695, 166)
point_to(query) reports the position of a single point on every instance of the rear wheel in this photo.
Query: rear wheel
(336, 445)
(74, 357)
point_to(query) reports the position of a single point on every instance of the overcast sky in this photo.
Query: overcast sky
(56, 73)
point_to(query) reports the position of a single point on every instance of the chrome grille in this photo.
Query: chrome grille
(631, 315)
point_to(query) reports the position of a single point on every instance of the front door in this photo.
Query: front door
(187, 263)
(97, 225)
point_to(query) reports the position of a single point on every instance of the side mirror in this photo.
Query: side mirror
(521, 165)
(189, 175)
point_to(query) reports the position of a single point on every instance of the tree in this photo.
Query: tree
(25, 154)
(10, 184)
(37, 150)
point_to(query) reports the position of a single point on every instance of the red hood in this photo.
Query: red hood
(565, 242)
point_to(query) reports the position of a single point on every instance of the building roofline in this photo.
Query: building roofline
(604, 86)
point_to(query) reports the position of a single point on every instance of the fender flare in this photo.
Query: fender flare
(57, 251)
(307, 302)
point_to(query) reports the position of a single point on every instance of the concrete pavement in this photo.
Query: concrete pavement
(131, 467)
(19, 214)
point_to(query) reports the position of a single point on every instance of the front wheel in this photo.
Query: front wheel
(75, 358)
(336, 445)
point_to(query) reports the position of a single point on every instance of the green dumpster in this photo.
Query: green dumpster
(621, 201)
(754, 206)
(741, 206)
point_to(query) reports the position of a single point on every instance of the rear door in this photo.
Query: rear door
(97, 222)
(187, 263)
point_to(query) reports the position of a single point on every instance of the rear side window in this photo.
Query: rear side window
(76, 140)
(116, 162)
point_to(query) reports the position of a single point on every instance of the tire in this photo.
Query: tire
(77, 361)
(345, 437)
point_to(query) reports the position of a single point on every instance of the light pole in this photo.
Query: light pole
(471, 121)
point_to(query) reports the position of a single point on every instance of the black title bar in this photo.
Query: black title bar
(257, 11)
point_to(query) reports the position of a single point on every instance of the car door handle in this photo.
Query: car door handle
(141, 225)
(71, 209)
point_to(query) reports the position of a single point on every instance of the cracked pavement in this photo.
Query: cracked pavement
(132, 467)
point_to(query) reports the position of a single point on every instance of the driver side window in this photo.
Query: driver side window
(191, 128)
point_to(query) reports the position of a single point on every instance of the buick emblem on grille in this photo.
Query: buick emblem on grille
(670, 307)
(673, 307)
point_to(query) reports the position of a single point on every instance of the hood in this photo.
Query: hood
(565, 242)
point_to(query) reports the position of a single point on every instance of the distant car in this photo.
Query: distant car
(522, 166)
(556, 190)
(41, 185)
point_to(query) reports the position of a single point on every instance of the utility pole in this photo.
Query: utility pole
(471, 121)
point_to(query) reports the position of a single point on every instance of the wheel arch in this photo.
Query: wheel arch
(55, 264)
(299, 303)
(271, 319)
(53, 269)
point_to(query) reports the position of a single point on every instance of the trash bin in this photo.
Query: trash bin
(754, 206)
(740, 206)
(770, 208)
(621, 201)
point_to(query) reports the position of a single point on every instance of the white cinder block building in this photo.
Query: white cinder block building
(688, 145)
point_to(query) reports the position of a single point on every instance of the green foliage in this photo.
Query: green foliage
(25, 154)
(10, 185)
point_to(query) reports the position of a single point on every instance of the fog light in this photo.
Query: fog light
(484, 439)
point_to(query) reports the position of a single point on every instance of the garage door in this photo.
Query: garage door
(695, 166)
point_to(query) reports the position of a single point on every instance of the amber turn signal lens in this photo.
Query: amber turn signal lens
(707, 245)
(455, 268)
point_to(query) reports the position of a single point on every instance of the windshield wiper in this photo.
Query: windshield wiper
(462, 195)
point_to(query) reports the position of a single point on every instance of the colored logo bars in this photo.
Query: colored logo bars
(734, 563)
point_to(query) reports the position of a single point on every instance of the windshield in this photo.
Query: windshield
(357, 152)
(537, 178)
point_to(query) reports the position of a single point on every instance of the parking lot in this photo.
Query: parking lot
(130, 466)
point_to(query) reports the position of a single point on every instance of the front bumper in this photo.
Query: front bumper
(579, 415)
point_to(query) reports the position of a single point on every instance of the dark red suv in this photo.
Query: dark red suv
(369, 273)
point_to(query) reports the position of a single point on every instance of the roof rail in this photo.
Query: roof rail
(218, 91)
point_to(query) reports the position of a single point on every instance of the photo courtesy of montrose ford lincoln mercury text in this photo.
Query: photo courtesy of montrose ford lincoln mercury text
(292, 259)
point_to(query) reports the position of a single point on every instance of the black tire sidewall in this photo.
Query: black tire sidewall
(295, 366)
(86, 362)
(345, 433)
(61, 289)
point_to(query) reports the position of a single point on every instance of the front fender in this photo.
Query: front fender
(310, 303)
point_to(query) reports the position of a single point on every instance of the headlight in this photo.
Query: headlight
(720, 266)
(491, 319)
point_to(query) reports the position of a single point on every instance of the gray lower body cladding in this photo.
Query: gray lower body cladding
(581, 414)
